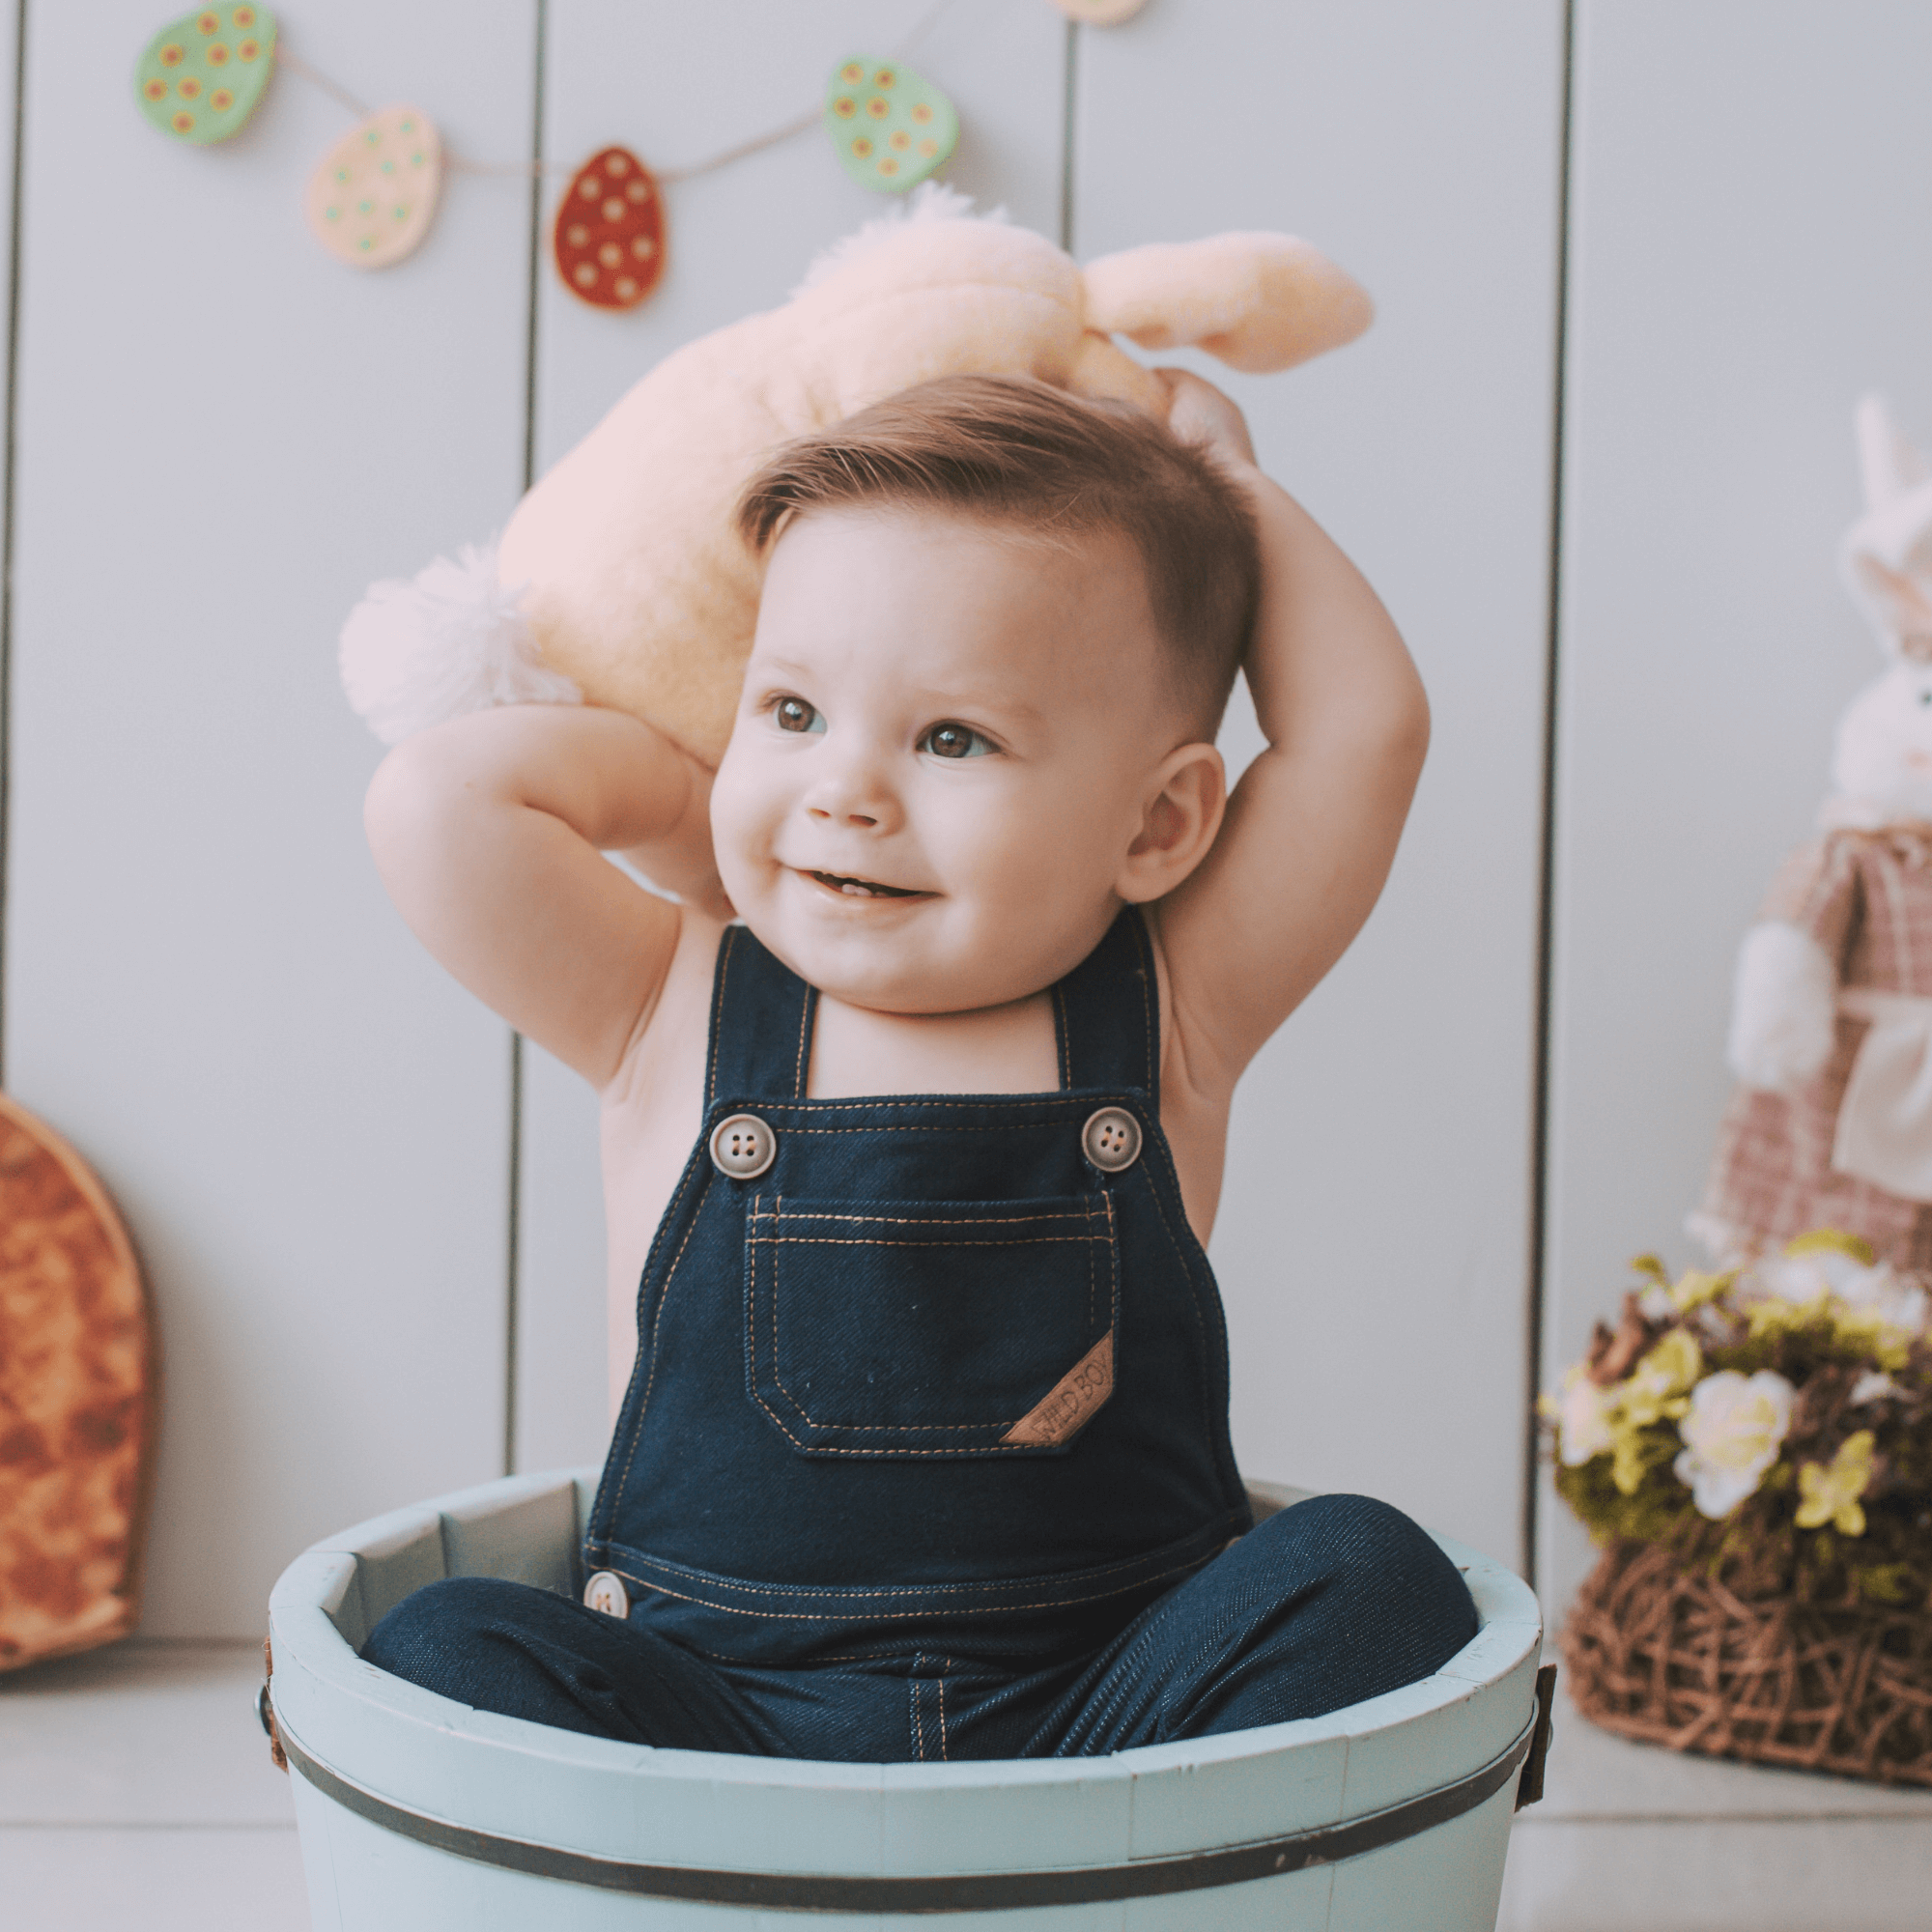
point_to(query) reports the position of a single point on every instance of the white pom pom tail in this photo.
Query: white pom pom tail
(1782, 1021)
(450, 640)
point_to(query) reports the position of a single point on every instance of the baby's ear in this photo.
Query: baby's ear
(1888, 553)
(1259, 302)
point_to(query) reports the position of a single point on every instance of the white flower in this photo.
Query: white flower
(1805, 1278)
(1656, 1302)
(1732, 1436)
(1583, 1417)
(1874, 1385)
(1897, 1300)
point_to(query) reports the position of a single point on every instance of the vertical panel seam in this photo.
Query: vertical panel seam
(16, 202)
(1542, 1052)
(1070, 72)
(513, 1243)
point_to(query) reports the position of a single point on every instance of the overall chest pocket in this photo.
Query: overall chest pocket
(922, 1328)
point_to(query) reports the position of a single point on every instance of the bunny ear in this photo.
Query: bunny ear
(1889, 464)
(1257, 301)
(1886, 554)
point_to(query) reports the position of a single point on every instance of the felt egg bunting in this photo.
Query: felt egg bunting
(370, 200)
(1099, 13)
(609, 235)
(890, 127)
(201, 77)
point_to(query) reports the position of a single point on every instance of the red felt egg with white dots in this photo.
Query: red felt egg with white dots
(609, 239)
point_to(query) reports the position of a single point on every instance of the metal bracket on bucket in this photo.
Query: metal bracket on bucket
(1529, 1786)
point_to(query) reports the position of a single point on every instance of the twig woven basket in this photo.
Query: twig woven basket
(1672, 1658)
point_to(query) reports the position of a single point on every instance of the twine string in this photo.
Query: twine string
(538, 170)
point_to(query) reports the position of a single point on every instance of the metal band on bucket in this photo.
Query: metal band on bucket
(960, 1891)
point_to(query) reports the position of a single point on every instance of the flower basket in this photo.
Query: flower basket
(1753, 1450)
(1668, 1658)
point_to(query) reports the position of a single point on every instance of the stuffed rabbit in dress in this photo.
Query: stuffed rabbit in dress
(1832, 1028)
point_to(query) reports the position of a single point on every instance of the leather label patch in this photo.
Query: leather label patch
(1072, 1401)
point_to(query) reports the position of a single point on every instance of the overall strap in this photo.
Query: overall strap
(761, 1015)
(1107, 1013)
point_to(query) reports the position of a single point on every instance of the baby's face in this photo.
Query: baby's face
(942, 756)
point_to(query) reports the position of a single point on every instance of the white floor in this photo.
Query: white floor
(136, 1792)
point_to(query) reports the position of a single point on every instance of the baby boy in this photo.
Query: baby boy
(914, 1104)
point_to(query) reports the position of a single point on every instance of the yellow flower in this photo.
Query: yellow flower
(1774, 1315)
(1660, 1384)
(1695, 1288)
(1832, 1495)
(1832, 1240)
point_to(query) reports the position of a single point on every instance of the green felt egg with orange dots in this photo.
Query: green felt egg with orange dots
(891, 125)
(202, 78)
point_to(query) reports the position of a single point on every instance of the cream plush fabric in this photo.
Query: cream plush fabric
(621, 571)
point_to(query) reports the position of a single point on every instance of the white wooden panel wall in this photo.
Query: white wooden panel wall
(223, 435)
(1748, 255)
(1373, 1237)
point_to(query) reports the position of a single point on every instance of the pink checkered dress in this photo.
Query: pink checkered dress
(1866, 899)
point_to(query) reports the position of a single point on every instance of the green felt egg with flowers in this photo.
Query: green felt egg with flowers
(892, 127)
(200, 78)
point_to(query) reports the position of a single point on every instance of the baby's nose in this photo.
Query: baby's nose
(844, 817)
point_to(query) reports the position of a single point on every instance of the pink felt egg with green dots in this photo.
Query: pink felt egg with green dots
(200, 78)
(370, 200)
(892, 127)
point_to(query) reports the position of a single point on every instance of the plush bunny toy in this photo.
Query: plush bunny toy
(1831, 1029)
(621, 579)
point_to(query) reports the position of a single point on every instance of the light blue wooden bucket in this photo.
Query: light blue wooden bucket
(423, 1815)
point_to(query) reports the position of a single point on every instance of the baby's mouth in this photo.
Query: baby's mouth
(863, 889)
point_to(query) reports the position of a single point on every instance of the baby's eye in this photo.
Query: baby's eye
(794, 714)
(955, 741)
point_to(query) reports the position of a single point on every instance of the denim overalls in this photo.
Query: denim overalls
(925, 1451)
(942, 1375)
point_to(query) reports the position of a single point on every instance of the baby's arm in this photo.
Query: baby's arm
(489, 832)
(1312, 829)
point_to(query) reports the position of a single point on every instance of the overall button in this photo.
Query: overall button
(743, 1146)
(607, 1593)
(1112, 1139)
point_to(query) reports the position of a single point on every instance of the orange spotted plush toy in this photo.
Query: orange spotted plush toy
(77, 1406)
(621, 579)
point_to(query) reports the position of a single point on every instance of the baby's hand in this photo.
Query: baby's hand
(1198, 412)
(682, 862)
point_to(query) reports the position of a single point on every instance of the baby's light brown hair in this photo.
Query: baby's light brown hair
(1023, 456)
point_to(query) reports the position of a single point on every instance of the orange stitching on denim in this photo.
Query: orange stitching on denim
(730, 940)
(928, 1220)
(1150, 1025)
(754, 1242)
(978, 1586)
(886, 1616)
(804, 1042)
(856, 1241)
(657, 1321)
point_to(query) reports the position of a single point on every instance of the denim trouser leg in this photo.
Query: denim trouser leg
(523, 1652)
(1334, 1600)
(1337, 1599)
